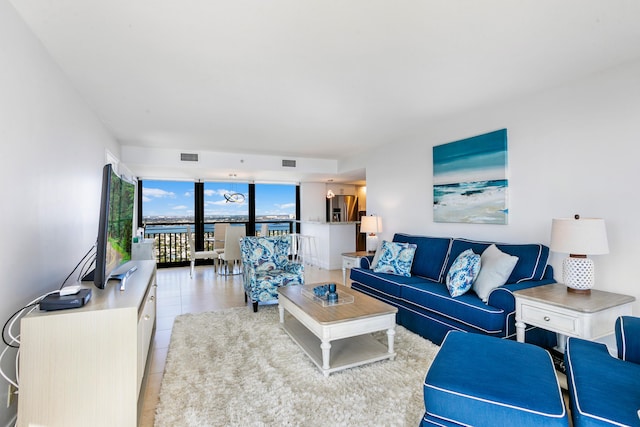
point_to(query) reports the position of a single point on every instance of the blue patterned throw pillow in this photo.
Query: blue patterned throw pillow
(396, 258)
(463, 272)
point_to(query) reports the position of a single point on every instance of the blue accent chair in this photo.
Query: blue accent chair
(479, 380)
(266, 267)
(604, 390)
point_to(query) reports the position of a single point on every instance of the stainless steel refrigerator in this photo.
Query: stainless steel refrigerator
(342, 209)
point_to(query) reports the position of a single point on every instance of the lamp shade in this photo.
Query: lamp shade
(583, 236)
(371, 224)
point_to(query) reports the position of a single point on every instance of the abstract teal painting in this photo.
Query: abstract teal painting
(470, 180)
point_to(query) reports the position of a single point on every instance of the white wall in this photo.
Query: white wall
(572, 150)
(52, 149)
(313, 201)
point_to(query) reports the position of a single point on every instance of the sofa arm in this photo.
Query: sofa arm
(248, 271)
(628, 338)
(365, 262)
(503, 298)
(294, 268)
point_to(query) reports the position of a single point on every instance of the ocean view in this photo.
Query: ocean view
(275, 228)
(480, 201)
(168, 207)
(170, 234)
(178, 225)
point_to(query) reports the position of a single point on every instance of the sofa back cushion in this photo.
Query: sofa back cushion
(532, 258)
(430, 256)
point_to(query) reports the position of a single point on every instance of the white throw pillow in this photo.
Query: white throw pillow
(376, 257)
(496, 269)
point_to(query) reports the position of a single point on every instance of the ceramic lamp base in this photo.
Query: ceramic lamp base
(372, 242)
(579, 274)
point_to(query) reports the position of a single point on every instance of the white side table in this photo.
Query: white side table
(588, 316)
(351, 260)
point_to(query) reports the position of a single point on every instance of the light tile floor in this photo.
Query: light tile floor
(179, 294)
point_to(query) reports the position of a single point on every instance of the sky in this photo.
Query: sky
(175, 198)
(479, 158)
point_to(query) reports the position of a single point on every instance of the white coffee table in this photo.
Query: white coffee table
(337, 337)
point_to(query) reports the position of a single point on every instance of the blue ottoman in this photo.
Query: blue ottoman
(477, 380)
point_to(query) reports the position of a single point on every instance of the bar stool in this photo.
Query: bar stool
(305, 248)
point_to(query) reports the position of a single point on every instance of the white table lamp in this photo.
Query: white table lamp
(579, 237)
(371, 225)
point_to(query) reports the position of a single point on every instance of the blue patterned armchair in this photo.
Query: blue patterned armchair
(266, 266)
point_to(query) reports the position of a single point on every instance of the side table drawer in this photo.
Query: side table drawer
(548, 319)
(350, 262)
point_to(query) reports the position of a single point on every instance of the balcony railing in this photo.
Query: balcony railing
(172, 242)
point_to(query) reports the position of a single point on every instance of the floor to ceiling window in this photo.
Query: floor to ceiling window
(167, 210)
(275, 209)
(168, 207)
(226, 202)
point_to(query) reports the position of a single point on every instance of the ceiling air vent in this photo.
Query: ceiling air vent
(288, 163)
(189, 157)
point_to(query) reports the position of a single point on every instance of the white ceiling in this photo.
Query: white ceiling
(319, 79)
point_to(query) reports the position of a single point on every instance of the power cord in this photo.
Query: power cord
(16, 338)
(88, 263)
(78, 264)
(13, 340)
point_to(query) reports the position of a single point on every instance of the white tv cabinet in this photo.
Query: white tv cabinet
(85, 366)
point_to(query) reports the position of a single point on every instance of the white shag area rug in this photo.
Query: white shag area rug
(239, 368)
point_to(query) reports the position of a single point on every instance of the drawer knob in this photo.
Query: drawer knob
(547, 318)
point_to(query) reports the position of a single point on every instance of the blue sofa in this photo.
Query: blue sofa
(423, 300)
(604, 390)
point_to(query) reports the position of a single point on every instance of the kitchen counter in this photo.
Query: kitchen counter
(329, 241)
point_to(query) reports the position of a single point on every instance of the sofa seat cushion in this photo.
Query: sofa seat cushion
(266, 283)
(604, 390)
(430, 255)
(389, 284)
(486, 381)
(467, 308)
(532, 258)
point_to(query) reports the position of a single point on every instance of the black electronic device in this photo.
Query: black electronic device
(56, 302)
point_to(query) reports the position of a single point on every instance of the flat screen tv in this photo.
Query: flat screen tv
(115, 227)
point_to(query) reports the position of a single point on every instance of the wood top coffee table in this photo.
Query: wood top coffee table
(337, 337)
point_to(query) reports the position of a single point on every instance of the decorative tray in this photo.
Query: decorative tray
(322, 298)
